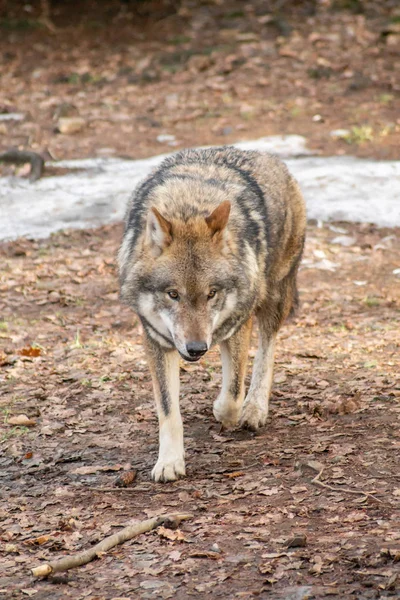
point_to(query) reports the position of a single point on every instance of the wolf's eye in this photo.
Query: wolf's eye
(211, 294)
(173, 294)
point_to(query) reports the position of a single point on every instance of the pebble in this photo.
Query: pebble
(69, 125)
(340, 133)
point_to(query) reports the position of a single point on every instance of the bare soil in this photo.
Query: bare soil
(72, 363)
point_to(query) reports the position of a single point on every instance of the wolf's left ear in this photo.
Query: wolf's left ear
(158, 230)
(218, 219)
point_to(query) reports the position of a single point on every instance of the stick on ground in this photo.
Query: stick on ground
(25, 156)
(317, 481)
(69, 562)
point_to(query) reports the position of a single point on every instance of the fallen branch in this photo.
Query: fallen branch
(317, 481)
(45, 18)
(69, 562)
(19, 157)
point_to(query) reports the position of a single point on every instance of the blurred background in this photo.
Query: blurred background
(139, 77)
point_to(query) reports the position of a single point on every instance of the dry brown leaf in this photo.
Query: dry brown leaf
(297, 541)
(39, 541)
(125, 479)
(170, 534)
(316, 568)
(269, 491)
(354, 516)
(89, 470)
(22, 420)
(234, 474)
(205, 554)
(30, 351)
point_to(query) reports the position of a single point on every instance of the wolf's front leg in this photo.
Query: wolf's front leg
(234, 355)
(164, 367)
(255, 407)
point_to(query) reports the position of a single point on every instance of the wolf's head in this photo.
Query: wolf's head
(184, 283)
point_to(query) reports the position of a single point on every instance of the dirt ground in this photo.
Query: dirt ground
(309, 506)
(72, 363)
(209, 72)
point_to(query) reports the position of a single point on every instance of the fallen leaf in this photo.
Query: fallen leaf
(184, 496)
(354, 516)
(316, 568)
(201, 554)
(125, 479)
(234, 474)
(269, 491)
(171, 534)
(89, 470)
(297, 541)
(39, 541)
(21, 420)
(30, 351)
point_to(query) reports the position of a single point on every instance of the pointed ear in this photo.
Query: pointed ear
(218, 219)
(158, 230)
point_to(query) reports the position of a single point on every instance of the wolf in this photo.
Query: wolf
(213, 239)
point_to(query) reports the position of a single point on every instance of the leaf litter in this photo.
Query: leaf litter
(314, 473)
(71, 358)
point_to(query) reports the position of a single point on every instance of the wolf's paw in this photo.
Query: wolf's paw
(227, 414)
(253, 416)
(168, 470)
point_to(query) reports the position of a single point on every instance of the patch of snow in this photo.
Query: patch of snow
(283, 145)
(98, 189)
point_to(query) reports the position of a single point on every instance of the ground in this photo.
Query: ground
(309, 506)
(73, 364)
(210, 72)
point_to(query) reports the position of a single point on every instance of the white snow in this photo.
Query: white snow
(97, 190)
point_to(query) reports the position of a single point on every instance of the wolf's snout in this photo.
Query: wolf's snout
(196, 349)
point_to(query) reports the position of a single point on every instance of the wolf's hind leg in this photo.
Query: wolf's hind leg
(255, 407)
(164, 367)
(234, 355)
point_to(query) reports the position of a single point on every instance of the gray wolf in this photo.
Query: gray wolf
(213, 238)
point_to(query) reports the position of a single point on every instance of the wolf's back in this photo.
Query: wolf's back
(255, 182)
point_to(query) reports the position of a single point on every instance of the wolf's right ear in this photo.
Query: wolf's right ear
(158, 231)
(218, 219)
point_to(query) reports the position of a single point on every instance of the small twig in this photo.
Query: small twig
(317, 481)
(45, 17)
(19, 157)
(69, 562)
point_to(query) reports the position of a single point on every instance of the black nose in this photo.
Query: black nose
(196, 349)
